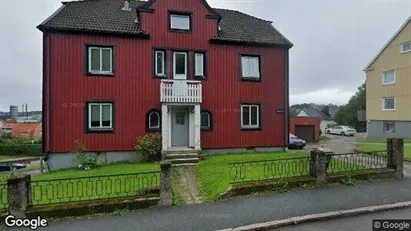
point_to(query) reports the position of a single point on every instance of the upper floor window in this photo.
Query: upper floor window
(388, 77)
(388, 104)
(100, 116)
(180, 65)
(160, 63)
(100, 60)
(180, 22)
(250, 116)
(406, 47)
(199, 65)
(250, 67)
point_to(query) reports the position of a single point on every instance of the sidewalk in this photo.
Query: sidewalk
(244, 211)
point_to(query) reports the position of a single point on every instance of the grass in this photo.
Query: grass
(4, 157)
(324, 138)
(380, 147)
(376, 140)
(213, 172)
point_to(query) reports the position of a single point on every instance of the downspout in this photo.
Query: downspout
(287, 99)
(46, 90)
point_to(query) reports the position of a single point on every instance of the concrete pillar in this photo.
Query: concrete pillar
(318, 165)
(197, 127)
(18, 194)
(166, 184)
(395, 156)
(164, 127)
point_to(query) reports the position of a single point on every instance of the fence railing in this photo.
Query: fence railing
(250, 171)
(351, 162)
(78, 189)
(3, 196)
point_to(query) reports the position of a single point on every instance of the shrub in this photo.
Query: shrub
(84, 160)
(12, 149)
(150, 145)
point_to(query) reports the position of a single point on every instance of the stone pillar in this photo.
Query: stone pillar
(318, 165)
(164, 127)
(166, 184)
(18, 194)
(395, 156)
(197, 127)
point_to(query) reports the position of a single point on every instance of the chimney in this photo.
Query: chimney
(126, 5)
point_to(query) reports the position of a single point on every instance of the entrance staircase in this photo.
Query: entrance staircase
(182, 156)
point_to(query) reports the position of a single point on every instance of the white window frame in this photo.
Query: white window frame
(149, 120)
(250, 126)
(402, 51)
(202, 73)
(101, 60)
(383, 77)
(248, 57)
(176, 15)
(101, 116)
(162, 74)
(209, 120)
(180, 76)
(383, 104)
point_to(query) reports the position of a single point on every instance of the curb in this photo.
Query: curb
(318, 217)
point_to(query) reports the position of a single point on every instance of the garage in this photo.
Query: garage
(307, 128)
(305, 132)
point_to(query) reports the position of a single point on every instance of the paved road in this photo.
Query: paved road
(245, 211)
(357, 223)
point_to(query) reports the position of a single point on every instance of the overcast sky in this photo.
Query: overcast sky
(333, 42)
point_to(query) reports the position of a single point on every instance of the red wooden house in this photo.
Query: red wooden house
(208, 79)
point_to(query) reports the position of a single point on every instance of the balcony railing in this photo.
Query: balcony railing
(180, 91)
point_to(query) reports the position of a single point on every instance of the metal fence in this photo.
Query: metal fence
(78, 189)
(351, 162)
(3, 196)
(250, 171)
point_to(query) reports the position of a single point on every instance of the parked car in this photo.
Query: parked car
(296, 143)
(341, 130)
(11, 167)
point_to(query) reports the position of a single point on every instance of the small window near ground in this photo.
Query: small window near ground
(180, 22)
(160, 63)
(389, 127)
(199, 63)
(100, 60)
(250, 116)
(388, 104)
(250, 67)
(388, 77)
(100, 116)
(153, 120)
(406, 47)
(206, 122)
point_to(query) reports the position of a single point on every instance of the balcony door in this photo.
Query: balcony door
(180, 65)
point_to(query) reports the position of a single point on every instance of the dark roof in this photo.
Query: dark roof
(313, 112)
(107, 16)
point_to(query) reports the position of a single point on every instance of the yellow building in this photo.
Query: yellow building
(389, 87)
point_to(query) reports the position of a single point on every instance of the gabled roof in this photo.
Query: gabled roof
(29, 128)
(388, 43)
(107, 16)
(313, 112)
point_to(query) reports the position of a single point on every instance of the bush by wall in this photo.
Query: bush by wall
(21, 149)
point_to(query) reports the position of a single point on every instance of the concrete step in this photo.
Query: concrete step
(181, 151)
(185, 161)
(181, 156)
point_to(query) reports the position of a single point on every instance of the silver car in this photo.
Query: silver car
(341, 130)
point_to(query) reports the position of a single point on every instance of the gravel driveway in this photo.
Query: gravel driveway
(338, 144)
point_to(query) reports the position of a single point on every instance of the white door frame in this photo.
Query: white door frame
(179, 76)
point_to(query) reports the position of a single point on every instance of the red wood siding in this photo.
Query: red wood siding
(306, 121)
(135, 91)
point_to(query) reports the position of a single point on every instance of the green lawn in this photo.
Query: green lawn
(213, 172)
(376, 140)
(381, 147)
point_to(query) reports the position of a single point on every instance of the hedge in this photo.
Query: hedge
(21, 149)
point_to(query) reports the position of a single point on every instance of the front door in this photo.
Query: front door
(179, 127)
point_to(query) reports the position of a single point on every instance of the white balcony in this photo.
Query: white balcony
(180, 91)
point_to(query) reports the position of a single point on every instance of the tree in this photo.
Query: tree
(347, 115)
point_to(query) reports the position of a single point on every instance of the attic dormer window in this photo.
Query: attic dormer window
(180, 22)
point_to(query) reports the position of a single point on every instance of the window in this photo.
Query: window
(199, 62)
(250, 67)
(180, 117)
(250, 116)
(160, 63)
(406, 47)
(180, 65)
(100, 116)
(389, 127)
(180, 22)
(388, 77)
(388, 104)
(206, 122)
(153, 120)
(100, 60)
